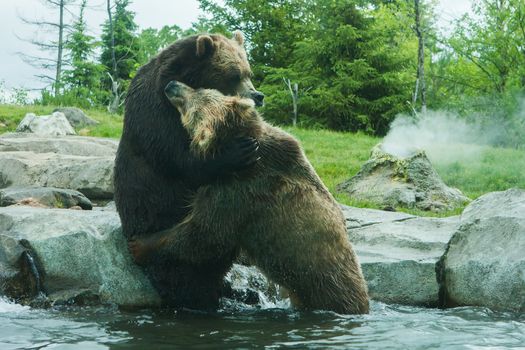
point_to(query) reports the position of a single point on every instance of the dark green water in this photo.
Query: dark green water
(240, 327)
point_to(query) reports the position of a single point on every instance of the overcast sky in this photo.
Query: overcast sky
(149, 13)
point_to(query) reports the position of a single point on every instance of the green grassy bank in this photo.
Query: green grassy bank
(110, 125)
(337, 156)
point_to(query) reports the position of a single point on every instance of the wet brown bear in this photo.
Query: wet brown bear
(279, 213)
(155, 170)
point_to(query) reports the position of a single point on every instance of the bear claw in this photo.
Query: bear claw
(138, 250)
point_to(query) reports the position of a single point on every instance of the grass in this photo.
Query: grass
(338, 156)
(110, 125)
(489, 169)
(475, 170)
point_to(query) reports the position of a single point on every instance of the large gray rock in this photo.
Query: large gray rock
(485, 260)
(93, 176)
(409, 182)
(70, 145)
(76, 117)
(53, 257)
(69, 255)
(46, 196)
(362, 217)
(81, 257)
(55, 124)
(398, 253)
(84, 164)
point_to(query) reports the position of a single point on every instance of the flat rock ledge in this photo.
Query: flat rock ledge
(59, 256)
(398, 253)
(45, 197)
(84, 164)
(68, 255)
(79, 257)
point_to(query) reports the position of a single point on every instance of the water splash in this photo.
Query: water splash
(253, 290)
(7, 307)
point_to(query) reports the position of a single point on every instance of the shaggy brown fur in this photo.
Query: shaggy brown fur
(280, 213)
(155, 170)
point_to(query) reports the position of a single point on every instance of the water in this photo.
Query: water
(242, 327)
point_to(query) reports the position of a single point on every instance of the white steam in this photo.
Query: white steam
(443, 136)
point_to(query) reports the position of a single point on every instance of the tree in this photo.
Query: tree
(272, 27)
(480, 72)
(56, 47)
(420, 87)
(357, 60)
(82, 80)
(120, 50)
(153, 40)
(492, 42)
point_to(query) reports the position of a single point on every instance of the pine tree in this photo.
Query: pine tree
(82, 80)
(356, 62)
(122, 28)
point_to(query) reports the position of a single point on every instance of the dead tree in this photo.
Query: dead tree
(294, 92)
(420, 88)
(114, 103)
(54, 47)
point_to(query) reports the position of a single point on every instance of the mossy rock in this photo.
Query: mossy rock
(410, 182)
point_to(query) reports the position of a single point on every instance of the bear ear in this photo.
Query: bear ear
(205, 46)
(238, 37)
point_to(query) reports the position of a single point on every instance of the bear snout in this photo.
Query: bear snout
(258, 97)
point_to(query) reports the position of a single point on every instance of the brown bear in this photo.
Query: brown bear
(279, 212)
(155, 170)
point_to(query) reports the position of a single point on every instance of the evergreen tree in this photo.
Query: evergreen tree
(356, 66)
(271, 27)
(82, 80)
(126, 44)
(153, 40)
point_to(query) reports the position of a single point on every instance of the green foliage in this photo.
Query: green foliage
(20, 96)
(337, 156)
(271, 27)
(82, 85)
(110, 125)
(127, 46)
(356, 68)
(480, 70)
(354, 61)
(491, 40)
(153, 40)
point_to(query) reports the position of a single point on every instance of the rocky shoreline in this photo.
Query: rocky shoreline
(51, 256)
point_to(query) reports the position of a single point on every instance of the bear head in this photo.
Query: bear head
(211, 118)
(209, 61)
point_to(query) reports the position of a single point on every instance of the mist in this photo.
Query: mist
(444, 136)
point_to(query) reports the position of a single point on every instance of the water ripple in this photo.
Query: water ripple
(386, 327)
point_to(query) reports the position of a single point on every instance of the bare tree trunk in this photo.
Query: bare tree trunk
(113, 57)
(55, 48)
(294, 92)
(115, 102)
(60, 49)
(420, 82)
(295, 96)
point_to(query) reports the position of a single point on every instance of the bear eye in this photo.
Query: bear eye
(235, 77)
